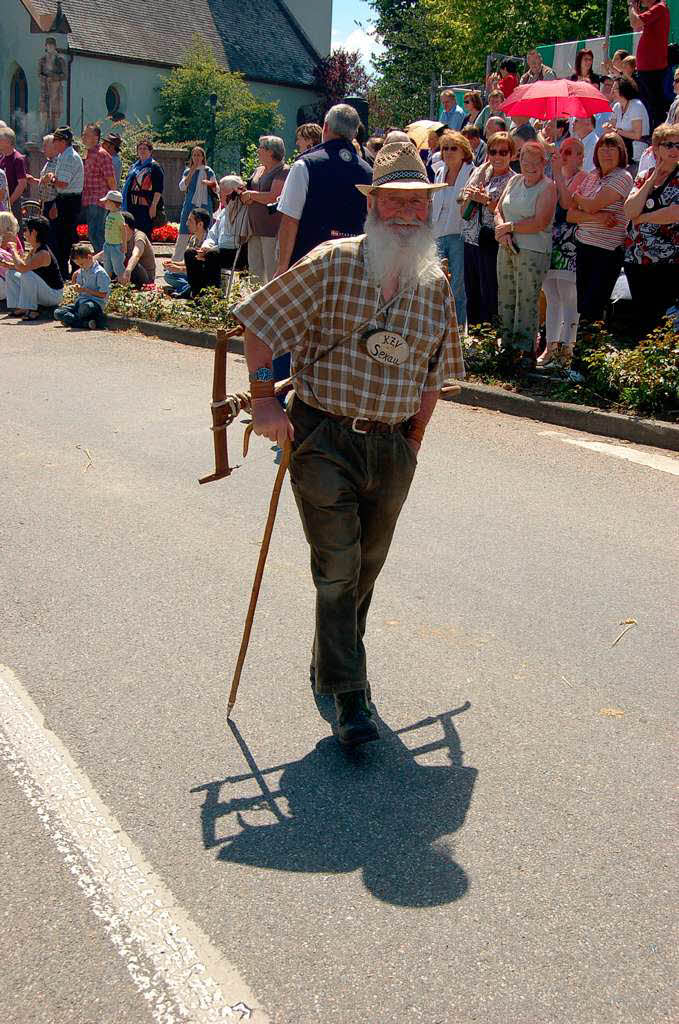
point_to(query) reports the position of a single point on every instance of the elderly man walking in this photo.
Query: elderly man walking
(319, 201)
(371, 326)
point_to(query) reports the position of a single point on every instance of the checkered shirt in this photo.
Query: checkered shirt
(99, 174)
(327, 295)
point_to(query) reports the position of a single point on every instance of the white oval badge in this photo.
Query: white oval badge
(387, 348)
(345, 155)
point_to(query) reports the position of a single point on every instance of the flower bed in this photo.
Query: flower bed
(208, 312)
(641, 380)
(168, 233)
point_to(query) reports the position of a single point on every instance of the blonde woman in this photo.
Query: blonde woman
(447, 217)
(485, 186)
(9, 242)
(559, 285)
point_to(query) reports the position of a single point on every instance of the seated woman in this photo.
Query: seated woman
(224, 246)
(652, 246)
(597, 210)
(559, 284)
(198, 222)
(9, 236)
(523, 228)
(34, 279)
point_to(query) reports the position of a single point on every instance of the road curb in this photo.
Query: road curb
(170, 332)
(577, 417)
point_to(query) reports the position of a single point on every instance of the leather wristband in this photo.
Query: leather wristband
(262, 389)
(415, 432)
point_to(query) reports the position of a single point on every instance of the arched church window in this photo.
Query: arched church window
(18, 98)
(114, 102)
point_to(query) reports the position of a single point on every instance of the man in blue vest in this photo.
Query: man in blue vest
(319, 200)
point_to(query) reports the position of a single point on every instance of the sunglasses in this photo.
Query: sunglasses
(670, 145)
(449, 149)
(498, 152)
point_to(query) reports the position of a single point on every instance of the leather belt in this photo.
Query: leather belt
(356, 423)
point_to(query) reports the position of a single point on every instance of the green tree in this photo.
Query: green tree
(466, 33)
(183, 108)
(339, 75)
(405, 69)
(434, 37)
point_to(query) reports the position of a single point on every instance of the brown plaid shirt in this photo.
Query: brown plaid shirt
(326, 296)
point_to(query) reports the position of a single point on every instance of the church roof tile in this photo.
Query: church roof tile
(260, 38)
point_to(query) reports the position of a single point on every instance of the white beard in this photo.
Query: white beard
(394, 251)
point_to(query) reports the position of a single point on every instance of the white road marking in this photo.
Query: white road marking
(650, 459)
(172, 963)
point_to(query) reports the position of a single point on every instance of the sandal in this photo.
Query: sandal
(549, 355)
(31, 314)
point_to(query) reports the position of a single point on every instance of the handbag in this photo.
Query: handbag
(487, 238)
(160, 219)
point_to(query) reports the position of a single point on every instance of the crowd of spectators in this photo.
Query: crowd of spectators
(561, 208)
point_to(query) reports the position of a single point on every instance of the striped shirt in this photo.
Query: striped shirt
(596, 234)
(47, 192)
(327, 295)
(70, 170)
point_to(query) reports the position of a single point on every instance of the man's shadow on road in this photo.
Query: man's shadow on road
(375, 809)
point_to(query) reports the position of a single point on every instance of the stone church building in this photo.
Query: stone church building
(76, 61)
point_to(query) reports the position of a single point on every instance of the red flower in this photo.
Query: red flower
(81, 230)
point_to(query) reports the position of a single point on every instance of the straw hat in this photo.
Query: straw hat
(397, 165)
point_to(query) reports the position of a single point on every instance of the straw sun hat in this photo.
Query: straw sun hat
(397, 165)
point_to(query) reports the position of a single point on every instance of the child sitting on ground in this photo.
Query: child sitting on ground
(93, 285)
(114, 235)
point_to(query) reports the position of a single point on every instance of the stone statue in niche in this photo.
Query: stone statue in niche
(52, 72)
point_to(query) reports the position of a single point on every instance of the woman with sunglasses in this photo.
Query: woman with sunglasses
(597, 210)
(485, 186)
(559, 284)
(652, 245)
(473, 105)
(446, 214)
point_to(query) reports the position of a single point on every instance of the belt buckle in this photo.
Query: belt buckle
(358, 419)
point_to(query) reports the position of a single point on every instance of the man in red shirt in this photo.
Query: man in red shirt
(14, 166)
(99, 179)
(652, 19)
(508, 77)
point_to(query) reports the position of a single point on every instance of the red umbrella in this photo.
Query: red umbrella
(560, 98)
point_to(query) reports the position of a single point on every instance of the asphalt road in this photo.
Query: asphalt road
(503, 855)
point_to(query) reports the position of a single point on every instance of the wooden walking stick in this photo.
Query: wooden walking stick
(264, 550)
